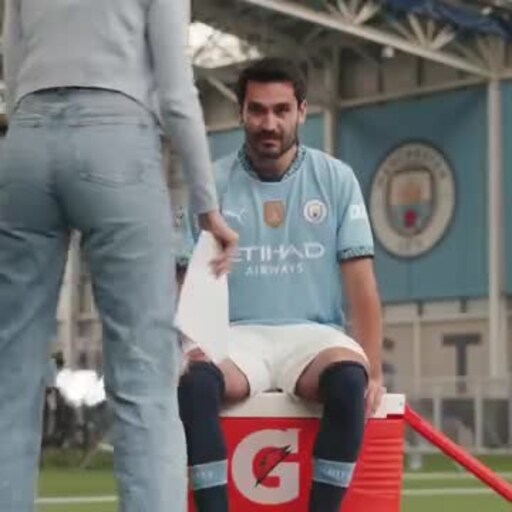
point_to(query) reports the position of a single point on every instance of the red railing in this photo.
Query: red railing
(448, 447)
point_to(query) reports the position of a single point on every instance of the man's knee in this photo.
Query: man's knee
(343, 384)
(342, 388)
(201, 389)
(200, 397)
(237, 386)
(309, 383)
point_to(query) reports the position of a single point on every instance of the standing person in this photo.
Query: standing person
(303, 230)
(83, 152)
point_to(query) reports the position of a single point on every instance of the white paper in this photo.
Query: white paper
(203, 306)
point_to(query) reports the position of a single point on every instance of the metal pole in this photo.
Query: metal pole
(416, 361)
(497, 343)
(331, 111)
(478, 402)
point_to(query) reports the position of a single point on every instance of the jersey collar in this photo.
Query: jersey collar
(294, 167)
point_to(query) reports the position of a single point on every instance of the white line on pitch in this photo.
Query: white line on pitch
(462, 491)
(447, 476)
(76, 500)
(84, 500)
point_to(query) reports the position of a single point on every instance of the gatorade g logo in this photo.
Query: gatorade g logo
(260, 468)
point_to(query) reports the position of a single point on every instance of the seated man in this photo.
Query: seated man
(302, 221)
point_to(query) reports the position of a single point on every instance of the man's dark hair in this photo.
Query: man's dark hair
(272, 69)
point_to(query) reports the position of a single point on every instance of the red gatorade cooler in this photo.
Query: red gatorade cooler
(270, 440)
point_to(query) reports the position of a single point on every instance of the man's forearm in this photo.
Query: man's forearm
(366, 328)
(365, 313)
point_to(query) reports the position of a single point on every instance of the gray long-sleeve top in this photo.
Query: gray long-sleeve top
(137, 47)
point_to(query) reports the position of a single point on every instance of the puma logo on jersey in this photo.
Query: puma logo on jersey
(238, 216)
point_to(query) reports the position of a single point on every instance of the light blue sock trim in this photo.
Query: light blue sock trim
(212, 474)
(338, 474)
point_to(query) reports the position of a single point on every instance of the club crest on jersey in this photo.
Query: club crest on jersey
(274, 213)
(315, 211)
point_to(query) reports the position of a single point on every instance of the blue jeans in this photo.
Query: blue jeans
(90, 160)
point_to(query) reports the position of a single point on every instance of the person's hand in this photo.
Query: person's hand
(227, 238)
(374, 393)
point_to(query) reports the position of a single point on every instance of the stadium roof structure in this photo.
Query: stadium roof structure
(468, 35)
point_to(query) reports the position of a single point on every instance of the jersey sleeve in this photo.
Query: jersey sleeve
(354, 234)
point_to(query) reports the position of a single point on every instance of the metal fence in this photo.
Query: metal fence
(475, 413)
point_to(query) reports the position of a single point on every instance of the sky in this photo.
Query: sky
(212, 48)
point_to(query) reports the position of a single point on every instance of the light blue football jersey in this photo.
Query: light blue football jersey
(293, 235)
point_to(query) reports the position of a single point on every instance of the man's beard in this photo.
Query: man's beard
(285, 144)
